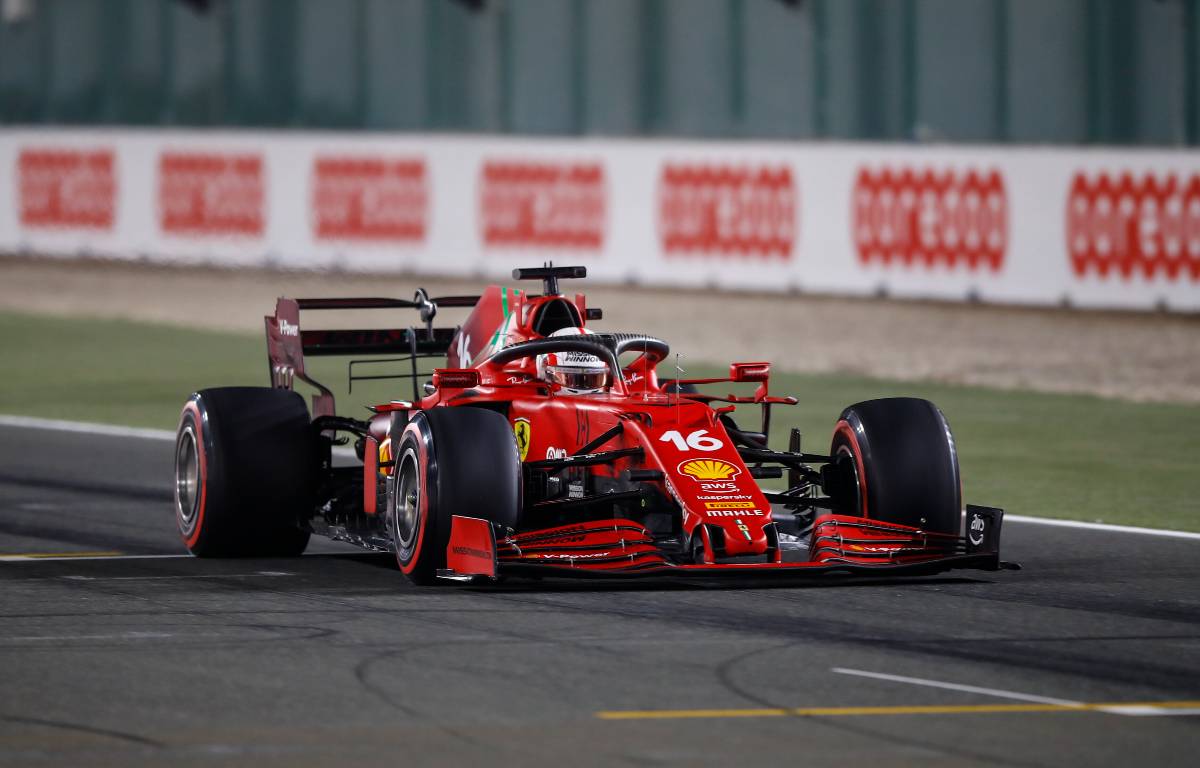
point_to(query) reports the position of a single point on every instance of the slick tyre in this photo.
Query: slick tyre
(895, 461)
(245, 462)
(450, 461)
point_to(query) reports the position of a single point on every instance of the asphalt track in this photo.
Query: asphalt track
(332, 659)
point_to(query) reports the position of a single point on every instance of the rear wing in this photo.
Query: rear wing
(288, 345)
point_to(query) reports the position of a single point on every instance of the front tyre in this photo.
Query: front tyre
(450, 461)
(895, 461)
(245, 459)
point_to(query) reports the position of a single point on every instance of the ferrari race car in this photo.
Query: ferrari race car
(541, 447)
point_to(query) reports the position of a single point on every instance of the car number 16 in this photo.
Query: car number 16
(697, 441)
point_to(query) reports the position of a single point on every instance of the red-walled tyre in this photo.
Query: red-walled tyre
(895, 461)
(245, 463)
(450, 461)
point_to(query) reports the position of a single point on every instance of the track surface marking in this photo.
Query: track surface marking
(1132, 708)
(154, 657)
(958, 687)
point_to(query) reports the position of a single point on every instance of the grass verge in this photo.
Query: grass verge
(1076, 457)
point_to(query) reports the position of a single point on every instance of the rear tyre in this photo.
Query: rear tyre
(450, 461)
(245, 462)
(895, 461)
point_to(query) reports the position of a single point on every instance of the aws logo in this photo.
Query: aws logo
(702, 470)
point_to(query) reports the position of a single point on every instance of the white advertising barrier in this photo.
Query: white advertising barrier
(1093, 228)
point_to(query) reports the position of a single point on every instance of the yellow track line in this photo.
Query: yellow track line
(41, 555)
(962, 709)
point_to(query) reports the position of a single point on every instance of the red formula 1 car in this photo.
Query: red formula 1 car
(543, 448)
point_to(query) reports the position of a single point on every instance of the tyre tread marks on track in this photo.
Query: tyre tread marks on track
(725, 673)
(68, 535)
(124, 736)
(1006, 651)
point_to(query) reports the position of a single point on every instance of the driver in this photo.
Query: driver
(576, 373)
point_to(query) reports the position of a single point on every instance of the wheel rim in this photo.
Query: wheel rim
(853, 487)
(187, 478)
(406, 513)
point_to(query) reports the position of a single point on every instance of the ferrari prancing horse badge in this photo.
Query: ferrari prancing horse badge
(521, 430)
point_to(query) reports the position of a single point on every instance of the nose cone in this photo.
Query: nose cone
(742, 532)
(707, 476)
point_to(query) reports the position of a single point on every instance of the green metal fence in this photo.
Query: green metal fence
(1062, 71)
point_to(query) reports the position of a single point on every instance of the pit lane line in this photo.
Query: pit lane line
(92, 428)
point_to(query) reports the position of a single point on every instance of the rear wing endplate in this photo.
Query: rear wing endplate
(288, 345)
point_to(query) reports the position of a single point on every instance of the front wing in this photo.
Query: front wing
(623, 548)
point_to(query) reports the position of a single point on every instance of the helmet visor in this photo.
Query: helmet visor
(575, 378)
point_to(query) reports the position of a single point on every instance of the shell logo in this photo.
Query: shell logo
(709, 469)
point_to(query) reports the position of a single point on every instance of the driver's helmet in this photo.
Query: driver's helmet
(577, 373)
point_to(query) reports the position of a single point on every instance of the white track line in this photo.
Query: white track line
(1102, 527)
(181, 576)
(1148, 710)
(68, 556)
(30, 422)
(1129, 710)
(84, 557)
(958, 687)
(112, 430)
(84, 427)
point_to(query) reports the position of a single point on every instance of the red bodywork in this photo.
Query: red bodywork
(725, 522)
